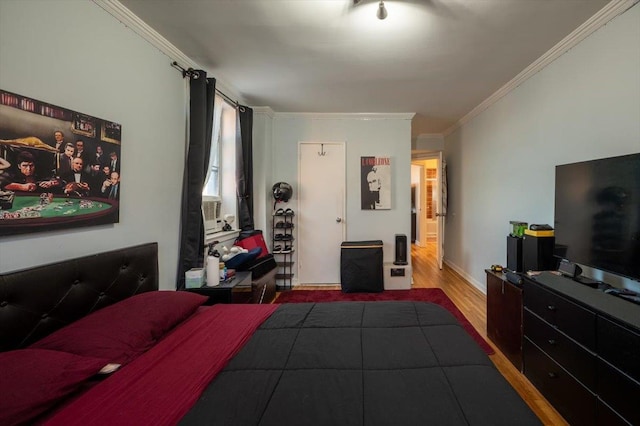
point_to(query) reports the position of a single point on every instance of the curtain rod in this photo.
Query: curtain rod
(187, 73)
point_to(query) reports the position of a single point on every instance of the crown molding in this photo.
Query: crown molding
(602, 17)
(264, 110)
(138, 26)
(333, 115)
(347, 115)
(429, 136)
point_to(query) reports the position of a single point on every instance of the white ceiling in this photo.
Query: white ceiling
(437, 58)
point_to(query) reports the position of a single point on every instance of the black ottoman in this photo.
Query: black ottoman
(263, 278)
(361, 266)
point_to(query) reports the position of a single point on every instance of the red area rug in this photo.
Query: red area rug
(433, 295)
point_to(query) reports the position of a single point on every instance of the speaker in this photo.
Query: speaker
(401, 250)
(569, 269)
(537, 253)
(514, 254)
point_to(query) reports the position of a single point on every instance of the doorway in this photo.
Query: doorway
(427, 204)
(321, 211)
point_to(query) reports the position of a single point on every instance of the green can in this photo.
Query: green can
(517, 228)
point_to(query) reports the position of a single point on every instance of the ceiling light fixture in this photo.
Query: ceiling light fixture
(382, 11)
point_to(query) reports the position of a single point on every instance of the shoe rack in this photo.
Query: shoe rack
(283, 246)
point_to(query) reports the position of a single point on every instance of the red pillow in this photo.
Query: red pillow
(33, 380)
(254, 241)
(121, 332)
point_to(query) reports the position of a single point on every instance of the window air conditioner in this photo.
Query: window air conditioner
(211, 214)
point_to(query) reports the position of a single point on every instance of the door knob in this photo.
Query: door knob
(338, 219)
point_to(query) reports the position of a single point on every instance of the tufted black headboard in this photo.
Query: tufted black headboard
(35, 302)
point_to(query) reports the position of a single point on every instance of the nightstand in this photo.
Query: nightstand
(237, 290)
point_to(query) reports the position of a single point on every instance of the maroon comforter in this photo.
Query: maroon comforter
(159, 387)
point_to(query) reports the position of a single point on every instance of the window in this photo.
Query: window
(212, 182)
(220, 184)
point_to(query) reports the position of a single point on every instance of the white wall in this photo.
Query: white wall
(75, 55)
(262, 173)
(501, 165)
(381, 135)
(428, 142)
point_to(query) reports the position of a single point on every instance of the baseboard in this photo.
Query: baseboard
(480, 286)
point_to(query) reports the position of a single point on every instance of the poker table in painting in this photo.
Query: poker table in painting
(35, 212)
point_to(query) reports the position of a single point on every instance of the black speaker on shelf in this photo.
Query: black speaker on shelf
(514, 254)
(537, 254)
(401, 250)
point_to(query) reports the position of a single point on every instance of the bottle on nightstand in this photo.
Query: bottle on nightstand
(222, 271)
(213, 267)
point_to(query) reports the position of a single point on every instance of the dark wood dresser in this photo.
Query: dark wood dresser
(504, 316)
(581, 349)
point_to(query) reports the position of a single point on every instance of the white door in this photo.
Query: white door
(422, 221)
(441, 208)
(321, 224)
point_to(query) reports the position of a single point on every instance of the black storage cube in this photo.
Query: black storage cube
(361, 266)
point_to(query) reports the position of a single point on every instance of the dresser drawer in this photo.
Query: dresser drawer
(619, 391)
(620, 346)
(572, 319)
(607, 417)
(577, 360)
(572, 400)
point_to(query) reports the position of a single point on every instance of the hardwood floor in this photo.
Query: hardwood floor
(473, 304)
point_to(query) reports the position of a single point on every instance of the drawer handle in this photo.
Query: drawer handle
(551, 307)
(552, 375)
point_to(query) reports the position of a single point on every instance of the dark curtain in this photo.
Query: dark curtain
(201, 98)
(244, 167)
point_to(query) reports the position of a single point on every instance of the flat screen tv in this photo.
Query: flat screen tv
(597, 214)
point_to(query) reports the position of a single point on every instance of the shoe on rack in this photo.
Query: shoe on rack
(278, 249)
(278, 237)
(288, 212)
(278, 212)
(287, 249)
(286, 237)
(281, 224)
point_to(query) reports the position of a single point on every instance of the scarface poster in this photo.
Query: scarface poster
(375, 183)
(59, 168)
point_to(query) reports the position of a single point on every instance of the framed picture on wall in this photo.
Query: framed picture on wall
(375, 183)
(83, 125)
(54, 172)
(111, 132)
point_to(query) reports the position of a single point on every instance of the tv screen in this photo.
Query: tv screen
(597, 214)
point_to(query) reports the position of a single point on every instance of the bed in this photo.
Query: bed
(111, 349)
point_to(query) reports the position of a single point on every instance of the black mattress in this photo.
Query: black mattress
(360, 363)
